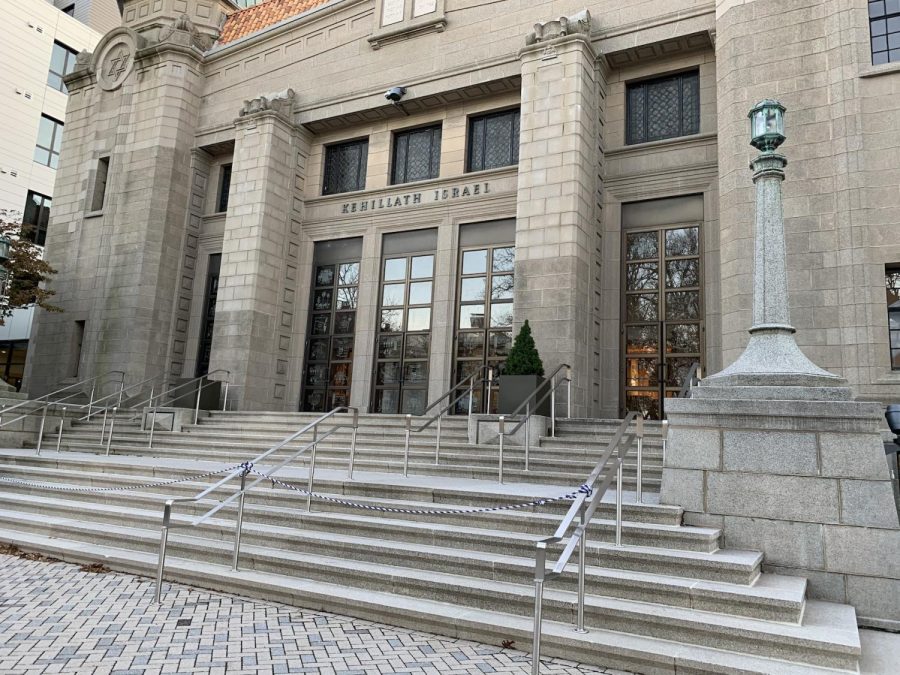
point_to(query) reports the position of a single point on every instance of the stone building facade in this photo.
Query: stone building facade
(268, 212)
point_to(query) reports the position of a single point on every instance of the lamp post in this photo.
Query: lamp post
(772, 357)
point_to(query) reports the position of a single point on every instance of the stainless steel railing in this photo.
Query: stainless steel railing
(530, 405)
(476, 378)
(242, 472)
(583, 508)
(694, 376)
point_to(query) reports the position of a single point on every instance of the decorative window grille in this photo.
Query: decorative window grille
(417, 155)
(493, 140)
(36, 216)
(345, 167)
(62, 62)
(884, 29)
(667, 107)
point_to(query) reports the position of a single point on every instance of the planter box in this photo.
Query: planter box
(516, 388)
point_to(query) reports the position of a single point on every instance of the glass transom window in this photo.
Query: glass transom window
(884, 28)
(666, 107)
(493, 141)
(417, 155)
(345, 167)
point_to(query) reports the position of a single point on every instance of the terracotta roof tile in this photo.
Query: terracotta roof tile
(246, 21)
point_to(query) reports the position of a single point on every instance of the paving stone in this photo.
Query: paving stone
(93, 619)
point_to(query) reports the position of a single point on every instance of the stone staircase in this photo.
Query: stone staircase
(668, 600)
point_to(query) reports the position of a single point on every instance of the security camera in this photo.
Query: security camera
(394, 94)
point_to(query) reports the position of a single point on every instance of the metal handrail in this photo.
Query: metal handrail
(531, 409)
(583, 507)
(121, 393)
(476, 377)
(243, 471)
(47, 402)
(694, 376)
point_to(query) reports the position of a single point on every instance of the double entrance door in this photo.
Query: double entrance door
(662, 311)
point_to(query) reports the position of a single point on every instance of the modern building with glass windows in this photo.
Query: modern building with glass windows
(38, 50)
(360, 201)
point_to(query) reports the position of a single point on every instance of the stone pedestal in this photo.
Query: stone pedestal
(803, 480)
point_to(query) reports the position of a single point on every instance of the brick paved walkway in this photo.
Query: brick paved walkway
(55, 618)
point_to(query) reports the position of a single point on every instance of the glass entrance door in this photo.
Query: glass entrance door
(662, 314)
(484, 316)
(404, 334)
(329, 352)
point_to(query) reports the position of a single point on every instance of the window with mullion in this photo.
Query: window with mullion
(49, 141)
(417, 155)
(36, 215)
(493, 140)
(345, 167)
(62, 62)
(892, 286)
(666, 107)
(884, 29)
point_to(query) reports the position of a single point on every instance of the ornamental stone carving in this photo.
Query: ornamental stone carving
(565, 25)
(116, 62)
(281, 102)
(182, 31)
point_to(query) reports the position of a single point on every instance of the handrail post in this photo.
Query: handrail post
(471, 394)
(240, 523)
(619, 501)
(353, 441)
(437, 443)
(406, 450)
(640, 457)
(501, 421)
(163, 541)
(552, 410)
(568, 392)
(665, 439)
(62, 424)
(91, 401)
(121, 388)
(225, 400)
(490, 384)
(582, 557)
(112, 424)
(197, 404)
(540, 562)
(2, 410)
(103, 425)
(312, 468)
(527, 433)
(41, 432)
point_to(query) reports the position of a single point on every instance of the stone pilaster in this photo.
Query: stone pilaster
(555, 212)
(253, 337)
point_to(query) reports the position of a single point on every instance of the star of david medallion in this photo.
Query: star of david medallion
(116, 64)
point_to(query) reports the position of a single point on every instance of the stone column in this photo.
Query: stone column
(556, 207)
(255, 315)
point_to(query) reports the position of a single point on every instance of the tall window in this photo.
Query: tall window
(224, 188)
(62, 62)
(663, 108)
(892, 285)
(884, 25)
(209, 314)
(36, 216)
(49, 140)
(99, 195)
(417, 155)
(345, 167)
(493, 140)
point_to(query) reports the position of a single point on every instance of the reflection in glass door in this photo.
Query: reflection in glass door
(662, 313)
(404, 334)
(329, 354)
(484, 316)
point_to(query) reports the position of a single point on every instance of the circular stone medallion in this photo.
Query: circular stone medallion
(116, 63)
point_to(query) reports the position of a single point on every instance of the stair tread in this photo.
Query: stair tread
(831, 627)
